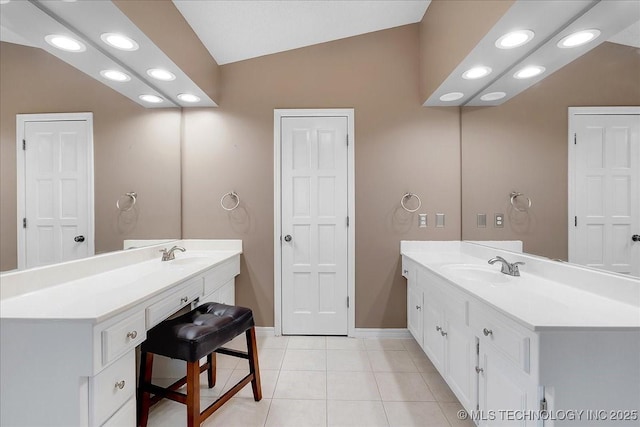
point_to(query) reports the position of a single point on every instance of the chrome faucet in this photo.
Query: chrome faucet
(168, 255)
(507, 267)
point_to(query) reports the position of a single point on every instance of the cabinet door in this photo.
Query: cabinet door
(433, 325)
(503, 390)
(414, 311)
(462, 358)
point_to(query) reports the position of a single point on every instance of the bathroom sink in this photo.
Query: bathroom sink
(188, 260)
(477, 273)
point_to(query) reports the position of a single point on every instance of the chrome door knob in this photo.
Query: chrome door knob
(636, 237)
(287, 238)
(78, 239)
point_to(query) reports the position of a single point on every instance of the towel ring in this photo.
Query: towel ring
(133, 196)
(233, 195)
(408, 196)
(514, 196)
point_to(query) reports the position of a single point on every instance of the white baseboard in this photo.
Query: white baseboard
(358, 332)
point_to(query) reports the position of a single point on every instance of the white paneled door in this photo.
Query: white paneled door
(606, 192)
(57, 198)
(314, 209)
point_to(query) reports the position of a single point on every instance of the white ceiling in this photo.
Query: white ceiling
(234, 30)
(629, 36)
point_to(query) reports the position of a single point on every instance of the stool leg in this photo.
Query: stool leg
(254, 368)
(144, 397)
(211, 372)
(193, 394)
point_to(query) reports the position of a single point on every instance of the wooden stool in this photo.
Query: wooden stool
(190, 337)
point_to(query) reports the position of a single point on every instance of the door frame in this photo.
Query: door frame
(278, 115)
(574, 112)
(21, 120)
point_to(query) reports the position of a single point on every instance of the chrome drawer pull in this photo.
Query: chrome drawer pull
(487, 332)
(120, 385)
(132, 334)
(443, 333)
(185, 299)
(418, 307)
(438, 328)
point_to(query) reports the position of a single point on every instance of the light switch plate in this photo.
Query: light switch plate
(440, 220)
(422, 220)
(482, 220)
(499, 220)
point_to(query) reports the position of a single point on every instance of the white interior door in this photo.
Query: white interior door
(606, 192)
(314, 209)
(58, 202)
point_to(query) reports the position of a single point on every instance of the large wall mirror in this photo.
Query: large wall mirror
(135, 150)
(522, 146)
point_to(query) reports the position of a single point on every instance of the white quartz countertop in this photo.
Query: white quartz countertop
(537, 302)
(103, 295)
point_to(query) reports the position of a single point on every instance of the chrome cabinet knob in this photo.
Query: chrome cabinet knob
(418, 307)
(487, 332)
(288, 238)
(78, 239)
(479, 370)
(443, 333)
(636, 237)
(438, 328)
(184, 299)
(405, 271)
(132, 334)
(120, 385)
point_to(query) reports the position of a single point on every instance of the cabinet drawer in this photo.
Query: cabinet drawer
(125, 417)
(162, 309)
(122, 337)
(221, 274)
(494, 329)
(112, 387)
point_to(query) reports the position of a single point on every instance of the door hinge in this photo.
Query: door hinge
(575, 138)
(575, 221)
(24, 222)
(347, 302)
(543, 405)
(347, 221)
(24, 145)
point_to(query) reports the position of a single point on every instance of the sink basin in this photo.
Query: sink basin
(477, 273)
(187, 260)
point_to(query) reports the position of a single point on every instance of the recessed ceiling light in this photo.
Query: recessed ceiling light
(160, 74)
(578, 39)
(151, 98)
(119, 41)
(65, 43)
(528, 72)
(451, 96)
(493, 96)
(115, 75)
(514, 39)
(476, 72)
(188, 97)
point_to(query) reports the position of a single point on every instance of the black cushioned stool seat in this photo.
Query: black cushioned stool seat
(200, 333)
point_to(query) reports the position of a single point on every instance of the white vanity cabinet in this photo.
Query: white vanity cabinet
(415, 301)
(75, 363)
(447, 339)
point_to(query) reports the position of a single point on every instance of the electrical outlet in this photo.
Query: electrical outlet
(422, 220)
(499, 220)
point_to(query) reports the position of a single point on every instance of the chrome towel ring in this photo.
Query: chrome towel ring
(131, 195)
(409, 196)
(233, 195)
(514, 196)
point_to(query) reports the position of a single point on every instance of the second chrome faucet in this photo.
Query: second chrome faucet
(168, 255)
(507, 267)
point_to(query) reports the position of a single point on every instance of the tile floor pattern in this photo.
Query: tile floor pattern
(327, 381)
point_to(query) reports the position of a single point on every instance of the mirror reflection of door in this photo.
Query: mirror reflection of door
(604, 229)
(55, 188)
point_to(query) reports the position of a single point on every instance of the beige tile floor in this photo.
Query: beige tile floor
(328, 381)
